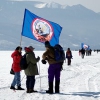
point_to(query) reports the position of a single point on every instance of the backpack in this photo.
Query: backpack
(23, 62)
(68, 54)
(59, 53)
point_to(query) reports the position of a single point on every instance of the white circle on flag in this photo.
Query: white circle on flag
(42, 30)
(85, 46)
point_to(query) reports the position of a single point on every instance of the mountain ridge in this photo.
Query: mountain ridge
(79, 24)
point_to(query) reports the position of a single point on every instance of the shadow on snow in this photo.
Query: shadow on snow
(87, 94)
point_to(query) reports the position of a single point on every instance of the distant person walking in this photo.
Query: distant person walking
(82, 53)
(16, 55)
(68, 56)
(90, 52)
(32, 69)
(53, 70)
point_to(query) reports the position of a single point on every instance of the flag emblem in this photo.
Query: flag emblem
(85, 46)
(42, 29)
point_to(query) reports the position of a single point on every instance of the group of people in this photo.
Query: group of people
(30, 72)
(54, 70)
(82, 52)
(98, 50)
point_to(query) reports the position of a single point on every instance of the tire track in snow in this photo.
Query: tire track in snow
(93, 81)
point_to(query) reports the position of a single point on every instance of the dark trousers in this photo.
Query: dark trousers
(30, 82)
(82, 56)
(54, 72)
(69, 61)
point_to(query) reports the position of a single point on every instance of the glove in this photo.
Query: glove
(38, 58)
(46, 58)
(61, 68)
(61, 63)
(43, 61)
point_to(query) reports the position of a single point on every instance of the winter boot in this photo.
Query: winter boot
(19, 88)
(12, 87)
(30, 91)
(50, 90)
(27, 91)
(57, 83)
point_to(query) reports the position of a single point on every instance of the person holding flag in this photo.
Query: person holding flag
(41, 30)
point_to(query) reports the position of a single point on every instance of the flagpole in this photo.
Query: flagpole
(20, 40)
(39, 75)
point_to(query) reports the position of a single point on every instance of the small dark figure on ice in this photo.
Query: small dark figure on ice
(82, 53)
(68, 56)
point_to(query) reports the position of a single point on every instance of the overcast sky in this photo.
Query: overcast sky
(91, 4)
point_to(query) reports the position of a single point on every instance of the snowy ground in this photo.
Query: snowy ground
(80, 81)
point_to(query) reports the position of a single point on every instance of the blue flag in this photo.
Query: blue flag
(84, 46)
(40, 29)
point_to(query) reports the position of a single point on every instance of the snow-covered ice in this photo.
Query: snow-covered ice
(80, 81)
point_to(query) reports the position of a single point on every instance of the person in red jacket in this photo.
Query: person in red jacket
(16, 55)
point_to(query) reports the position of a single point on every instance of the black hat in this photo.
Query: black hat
(19, 47)
(47, 44)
